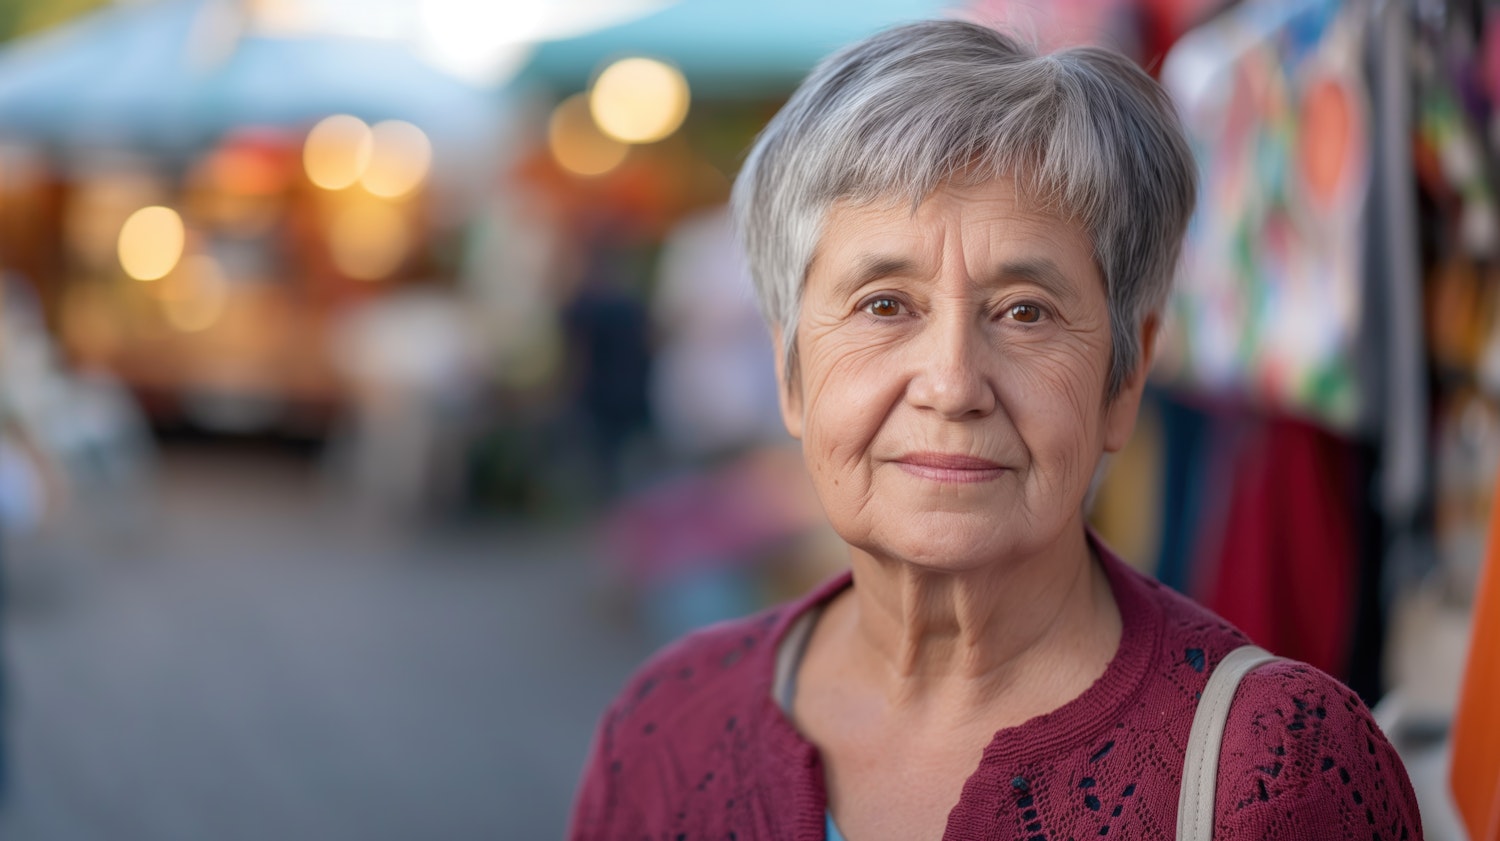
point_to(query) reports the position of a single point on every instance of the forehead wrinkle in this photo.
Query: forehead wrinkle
(1038, 270)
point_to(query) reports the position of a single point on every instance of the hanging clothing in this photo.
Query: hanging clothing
(1200, 447)
(1476, 727)
(1285, 572)
(1268, 303)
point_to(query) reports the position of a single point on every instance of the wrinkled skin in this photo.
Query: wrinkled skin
(975, 326)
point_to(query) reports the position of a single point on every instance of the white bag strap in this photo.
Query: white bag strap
(1200, 770)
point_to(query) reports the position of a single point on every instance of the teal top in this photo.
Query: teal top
(833, 833)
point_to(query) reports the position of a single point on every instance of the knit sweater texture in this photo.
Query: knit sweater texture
(696, 747)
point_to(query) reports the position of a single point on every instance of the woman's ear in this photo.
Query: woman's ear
(1120, 415)
(787, 389)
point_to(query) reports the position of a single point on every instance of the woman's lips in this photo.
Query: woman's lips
(949, 467)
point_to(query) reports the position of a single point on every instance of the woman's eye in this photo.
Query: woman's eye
(884, 307)
(1025, 313)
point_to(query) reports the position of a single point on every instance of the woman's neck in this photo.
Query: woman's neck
(1035, 632)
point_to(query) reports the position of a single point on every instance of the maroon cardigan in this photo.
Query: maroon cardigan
(696, 748)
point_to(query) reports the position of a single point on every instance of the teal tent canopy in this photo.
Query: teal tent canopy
(726, 48)
(177, 73)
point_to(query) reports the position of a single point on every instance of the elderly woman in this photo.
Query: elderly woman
(962, 248)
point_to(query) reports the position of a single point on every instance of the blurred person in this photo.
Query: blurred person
(606, 328)
(510, 253)
(85, 425)
(31, 490)
(963, 249)
(713, 390)
(20, 508)
(30, 485)
(693, 546)
(411, 361)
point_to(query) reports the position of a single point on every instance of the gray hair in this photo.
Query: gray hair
(916, 107)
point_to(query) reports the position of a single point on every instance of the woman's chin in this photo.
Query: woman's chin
(955, 547)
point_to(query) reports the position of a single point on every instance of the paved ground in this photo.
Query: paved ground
(254, 664)
(256, 667)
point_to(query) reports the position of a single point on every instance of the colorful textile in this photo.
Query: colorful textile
(1268, 305)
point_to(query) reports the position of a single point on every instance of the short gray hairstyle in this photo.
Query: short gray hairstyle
(919, 106)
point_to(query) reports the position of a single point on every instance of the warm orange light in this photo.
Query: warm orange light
(368, 240)
(576, 142)
(247, 172)
(399, 161)
(337, 151)
(639, 100)
(150, 242)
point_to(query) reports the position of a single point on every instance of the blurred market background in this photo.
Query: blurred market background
(379, 384)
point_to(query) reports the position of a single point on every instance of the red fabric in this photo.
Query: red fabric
(1152, 26)
(695, 746)
(1285, 571)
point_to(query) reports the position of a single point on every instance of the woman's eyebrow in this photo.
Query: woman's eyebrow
(867, 268)
(1040, 271)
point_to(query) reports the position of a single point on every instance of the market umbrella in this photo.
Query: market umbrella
(178, 73)
(727, 49)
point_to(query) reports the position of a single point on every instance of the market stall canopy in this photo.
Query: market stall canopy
(745, 49)
(178, 73)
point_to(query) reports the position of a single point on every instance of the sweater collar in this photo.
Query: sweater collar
(796, 766)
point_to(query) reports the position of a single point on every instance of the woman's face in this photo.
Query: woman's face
(950, 390)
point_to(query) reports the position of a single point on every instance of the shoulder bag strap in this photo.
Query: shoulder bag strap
(1200, 771)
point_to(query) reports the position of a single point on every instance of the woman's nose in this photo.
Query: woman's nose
(950, 373)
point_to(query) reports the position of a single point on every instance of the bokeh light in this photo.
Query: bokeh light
(368, 240)
(639, 100)
(151, 242)
(338, 151)
(577, 143)
(401, 156)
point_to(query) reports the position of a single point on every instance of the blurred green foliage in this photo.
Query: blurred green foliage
(19, 18)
